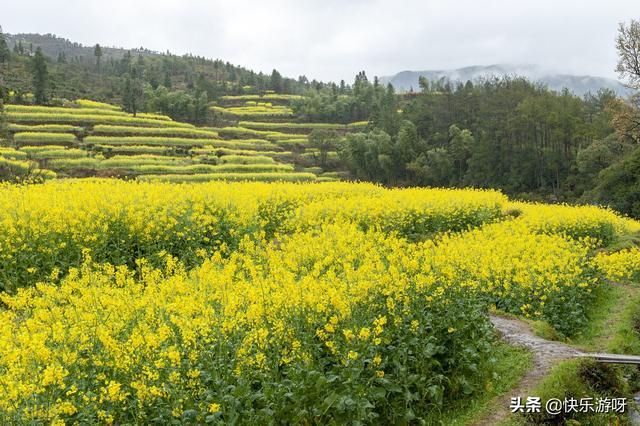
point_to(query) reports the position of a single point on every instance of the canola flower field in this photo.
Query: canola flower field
(218, 302)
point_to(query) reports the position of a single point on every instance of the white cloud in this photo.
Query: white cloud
(334, 39)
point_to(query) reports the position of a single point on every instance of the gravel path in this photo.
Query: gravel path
(546, 354)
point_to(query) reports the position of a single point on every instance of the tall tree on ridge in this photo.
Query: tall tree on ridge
(628, 46)
(40, 77)
(5, 53)
(276, 81)
(97, 52)
(132, 94)
(626, 118)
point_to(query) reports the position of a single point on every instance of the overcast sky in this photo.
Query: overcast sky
(331, 39)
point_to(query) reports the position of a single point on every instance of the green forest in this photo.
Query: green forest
(507, 133)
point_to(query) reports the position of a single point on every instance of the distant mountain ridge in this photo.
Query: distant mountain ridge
(580, 85)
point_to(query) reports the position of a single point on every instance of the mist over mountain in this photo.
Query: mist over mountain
(578, 84)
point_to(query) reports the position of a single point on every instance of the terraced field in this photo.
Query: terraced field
(89, 138)
(267, 117)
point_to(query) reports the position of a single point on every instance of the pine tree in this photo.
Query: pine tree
(132, 94)
(167, 80)
(276, 81)
(127, 96)
(40, 77)
(201, 108)
(125, 62)
(97, 52)
(5, 53)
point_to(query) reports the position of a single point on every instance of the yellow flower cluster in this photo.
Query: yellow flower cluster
(104, 333)
(623, 265)
(48, 226)
(520, 271)
(574, 221)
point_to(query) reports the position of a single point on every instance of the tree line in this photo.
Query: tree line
(507, 133)
(179, 86)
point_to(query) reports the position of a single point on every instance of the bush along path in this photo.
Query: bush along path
(549, 354)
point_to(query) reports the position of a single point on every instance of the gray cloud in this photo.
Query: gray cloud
(332, 39)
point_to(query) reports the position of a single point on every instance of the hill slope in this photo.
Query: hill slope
(75, 73)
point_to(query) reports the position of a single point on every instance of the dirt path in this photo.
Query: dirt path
(546, 354)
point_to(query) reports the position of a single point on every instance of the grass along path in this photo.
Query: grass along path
(546, 354)
(512, 363)
(614, 318)
(611, 330)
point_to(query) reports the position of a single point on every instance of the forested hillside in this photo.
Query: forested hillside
(508, 133)
(177, 85)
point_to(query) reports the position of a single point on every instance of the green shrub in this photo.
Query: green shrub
(309, 154)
